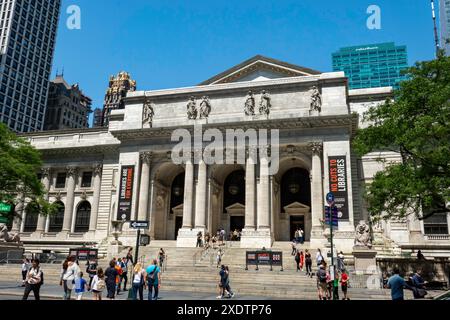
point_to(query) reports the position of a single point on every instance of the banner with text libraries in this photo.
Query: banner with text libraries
(338, 184)
(125, 193)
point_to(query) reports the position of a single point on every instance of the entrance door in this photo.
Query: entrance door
(296, 223)
(237, 222)
(178, 225)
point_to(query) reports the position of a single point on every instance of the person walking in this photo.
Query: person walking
(33, 281)
(322, 282)
(344, 284)
(199, 239)
(308, 263)
(319, 258)
(138, 281)
(91, 270)
(68, 277)
(153, 273)
(301, 236)
(80, 286)
(297, 261)
(161, 257)
(397, 284)
(118, 267)
(26, 266)
(224, 284)
(130, 256)
(294, 247)
(219, 257)
(98, 284)
(111, 275)
(340, 261)
(124, 276)
(336, 286)
(302, 260)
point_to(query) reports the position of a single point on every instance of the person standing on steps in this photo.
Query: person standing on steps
(319, 258)
(119, 275)
(130, 256)
(340, 261)
(111, 275)
(294, 247)
(124, 276)
(301, 235)
(33, 281)
(153, 275)
(302, 260)
(199, 239)
(219, 257)
(308, 263)
(297, 261)
(322, 282)
(297, 236)
(161, 257)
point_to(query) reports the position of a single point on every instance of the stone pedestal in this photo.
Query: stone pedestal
(365, 259)
(114, 249)
(187, 238)
(256, 239)
(8, 246)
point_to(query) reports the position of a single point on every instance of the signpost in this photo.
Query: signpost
(139, 225)
(332, 216)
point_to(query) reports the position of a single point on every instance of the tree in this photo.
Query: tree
(416, 124)
(19, 164)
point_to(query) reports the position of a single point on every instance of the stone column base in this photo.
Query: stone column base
(318, 238)
(187, 238)
(256, 239)
(365, 259)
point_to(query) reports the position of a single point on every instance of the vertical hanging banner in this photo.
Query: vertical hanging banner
(338, 184)
(125, 193)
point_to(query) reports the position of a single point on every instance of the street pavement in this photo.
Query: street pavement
(13, 291)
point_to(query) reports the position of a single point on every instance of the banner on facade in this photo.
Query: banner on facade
(125, 193)
(338, 184)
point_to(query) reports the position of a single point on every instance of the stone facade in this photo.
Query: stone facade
(265, 205)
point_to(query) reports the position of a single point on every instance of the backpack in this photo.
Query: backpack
(322, 275)
(101, 284)
(152, 275)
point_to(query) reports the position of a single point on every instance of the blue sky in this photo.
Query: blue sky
(166, 44)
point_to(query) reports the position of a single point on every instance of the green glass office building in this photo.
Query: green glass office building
(371, 66)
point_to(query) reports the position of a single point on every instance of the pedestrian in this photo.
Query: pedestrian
(124, 275)
(420, 256)
(199, 239)
(301, 235)
(297, 261)
(33, 281)
(111, 275)
(161, 256)
(80, 286)
(118, 267)
(319, 258)
(344, 284)
(322, 282)
(153, 273)
(224, 283)
(91, 270)
(308, 263)
(219, 257)
(222, 236)
(235, 235)
(130, 256)
(329, 284)
(214, 240)
(68, 276)
(296, 236)
(227, 284)
(26, 266)
(340, 261)
(98, 284)
(418, 285)
(138, 281)
(294, 248)
(396, 283)
(302, 260)
(336, 286)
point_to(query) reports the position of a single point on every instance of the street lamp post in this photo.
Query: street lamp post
(331, 208)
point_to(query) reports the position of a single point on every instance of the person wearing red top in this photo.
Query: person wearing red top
(119, 277)
(302, 260)
(344, 284)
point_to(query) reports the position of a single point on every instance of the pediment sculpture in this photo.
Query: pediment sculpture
(265, 104)
(363, 237)
(192, 109)
(316, 100)
(205, 108)
(249, 108)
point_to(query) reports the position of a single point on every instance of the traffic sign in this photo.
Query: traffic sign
(334, 216)
(330, 198)
(139, 224)
(144, 240)
(5, 208)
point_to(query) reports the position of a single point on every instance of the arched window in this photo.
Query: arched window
(83, 217)
(234, 189)
(295, 187)
(56, 220)
(177, 191)
(31, 217)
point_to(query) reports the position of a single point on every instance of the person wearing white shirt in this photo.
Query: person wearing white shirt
(68, 277)
(33, 281)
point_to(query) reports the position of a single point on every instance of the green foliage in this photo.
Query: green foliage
(416, 124)
(19, 164)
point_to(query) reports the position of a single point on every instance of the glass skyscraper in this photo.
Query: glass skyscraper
(27, 41)
(373, 65)
(444, 17)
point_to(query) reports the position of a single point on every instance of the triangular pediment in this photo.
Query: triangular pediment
(236, 208)
(260, 68)
(297, 207)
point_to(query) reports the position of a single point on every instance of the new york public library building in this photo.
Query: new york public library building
(127, 171)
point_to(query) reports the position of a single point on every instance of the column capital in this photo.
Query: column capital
(45, 172)
(146, 156)
(316, 147)
(98, 169)
(265, 151)
(72, 171)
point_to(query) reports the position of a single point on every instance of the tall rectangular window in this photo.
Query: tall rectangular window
(61, 180)
(86, 180)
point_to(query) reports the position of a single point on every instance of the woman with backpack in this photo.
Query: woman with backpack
(138, 281)
(98, 284)
(68, 276)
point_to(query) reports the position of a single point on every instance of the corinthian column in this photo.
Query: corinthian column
(97, 186)
(250, 187)
(188, 193)
(46, 182)
(68, 211)
(263, 194)
(316, 184)
(146, 159)
(200, 196)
